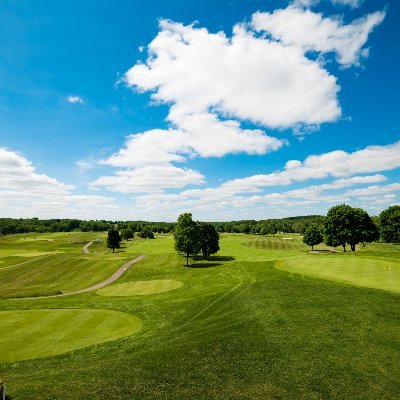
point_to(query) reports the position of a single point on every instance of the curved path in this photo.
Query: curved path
(100, 285)
(85, 248)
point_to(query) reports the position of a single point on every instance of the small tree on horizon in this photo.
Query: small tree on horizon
(209, 239)
(146, 233)
(187, 236)
(313, 236)
(113, 239)
(127, 234)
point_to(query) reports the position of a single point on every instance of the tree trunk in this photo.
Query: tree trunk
(187, 259)
(353, 247)
(344, 247)
(312, 248)
(113, 249)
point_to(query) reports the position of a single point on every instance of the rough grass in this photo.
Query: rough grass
(237, 329)
(140, 288)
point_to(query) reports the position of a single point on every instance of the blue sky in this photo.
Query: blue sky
(228, 109)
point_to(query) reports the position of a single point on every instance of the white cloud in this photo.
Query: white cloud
(148, 156)
(312, 32)
(18, 175)
(213, 82)
(244, 76)
(336, 164)
(24, 192)
(75, 99)
(150, 178)
(310, 3)
(351, 3)
(239, 197)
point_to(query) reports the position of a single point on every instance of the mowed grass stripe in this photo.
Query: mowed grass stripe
(140, 288)
(63, 273)
(42, 333)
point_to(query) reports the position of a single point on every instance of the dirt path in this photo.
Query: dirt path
(100, 285)
(85, 248)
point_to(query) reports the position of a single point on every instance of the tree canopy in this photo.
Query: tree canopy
(313, 236)
(113, 239)
(345, 225)
(127, 234)
(146, 233)
(209, 239)
(187, 236)
(390, 224)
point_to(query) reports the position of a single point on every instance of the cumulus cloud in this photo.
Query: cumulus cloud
(243, 76)
(213, 82)
(313, 32)
(250, 193)
(351, 3)
(337, 164)
(18, 175)
(150, 178)
(75, 99)
(25, 192)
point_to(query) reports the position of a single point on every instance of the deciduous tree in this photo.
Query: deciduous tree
(390, 224)
(313, 236)
(187, 236)
(113, 239)
(209, 239)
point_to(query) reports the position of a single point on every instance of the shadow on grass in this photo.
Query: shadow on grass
(214, 258)
(205, 265)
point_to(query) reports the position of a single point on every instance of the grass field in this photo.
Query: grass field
(264, 321)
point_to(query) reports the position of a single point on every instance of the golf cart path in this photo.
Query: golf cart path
(85, 247)
(100, 285)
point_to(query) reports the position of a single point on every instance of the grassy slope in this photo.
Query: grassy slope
(237, 329)
(59, 267)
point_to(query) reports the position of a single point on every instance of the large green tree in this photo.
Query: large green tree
(365, 230)
(209, 239)
(345, 225)
(187, 236)
(113, 239)
(390, 224)
(313, 236)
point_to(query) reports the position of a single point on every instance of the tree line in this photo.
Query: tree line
(348, 226)
(387, 223)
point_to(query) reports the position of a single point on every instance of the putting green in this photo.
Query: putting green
(27, 334)
(368, 272)
(140, 288)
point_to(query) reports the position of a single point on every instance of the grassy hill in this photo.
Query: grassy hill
(256, 321)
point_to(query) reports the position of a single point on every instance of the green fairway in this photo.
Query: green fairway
(368, 272)
(237, 328)
(140, 288)
(30, 334)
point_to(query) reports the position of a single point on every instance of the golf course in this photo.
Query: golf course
(263, 318)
